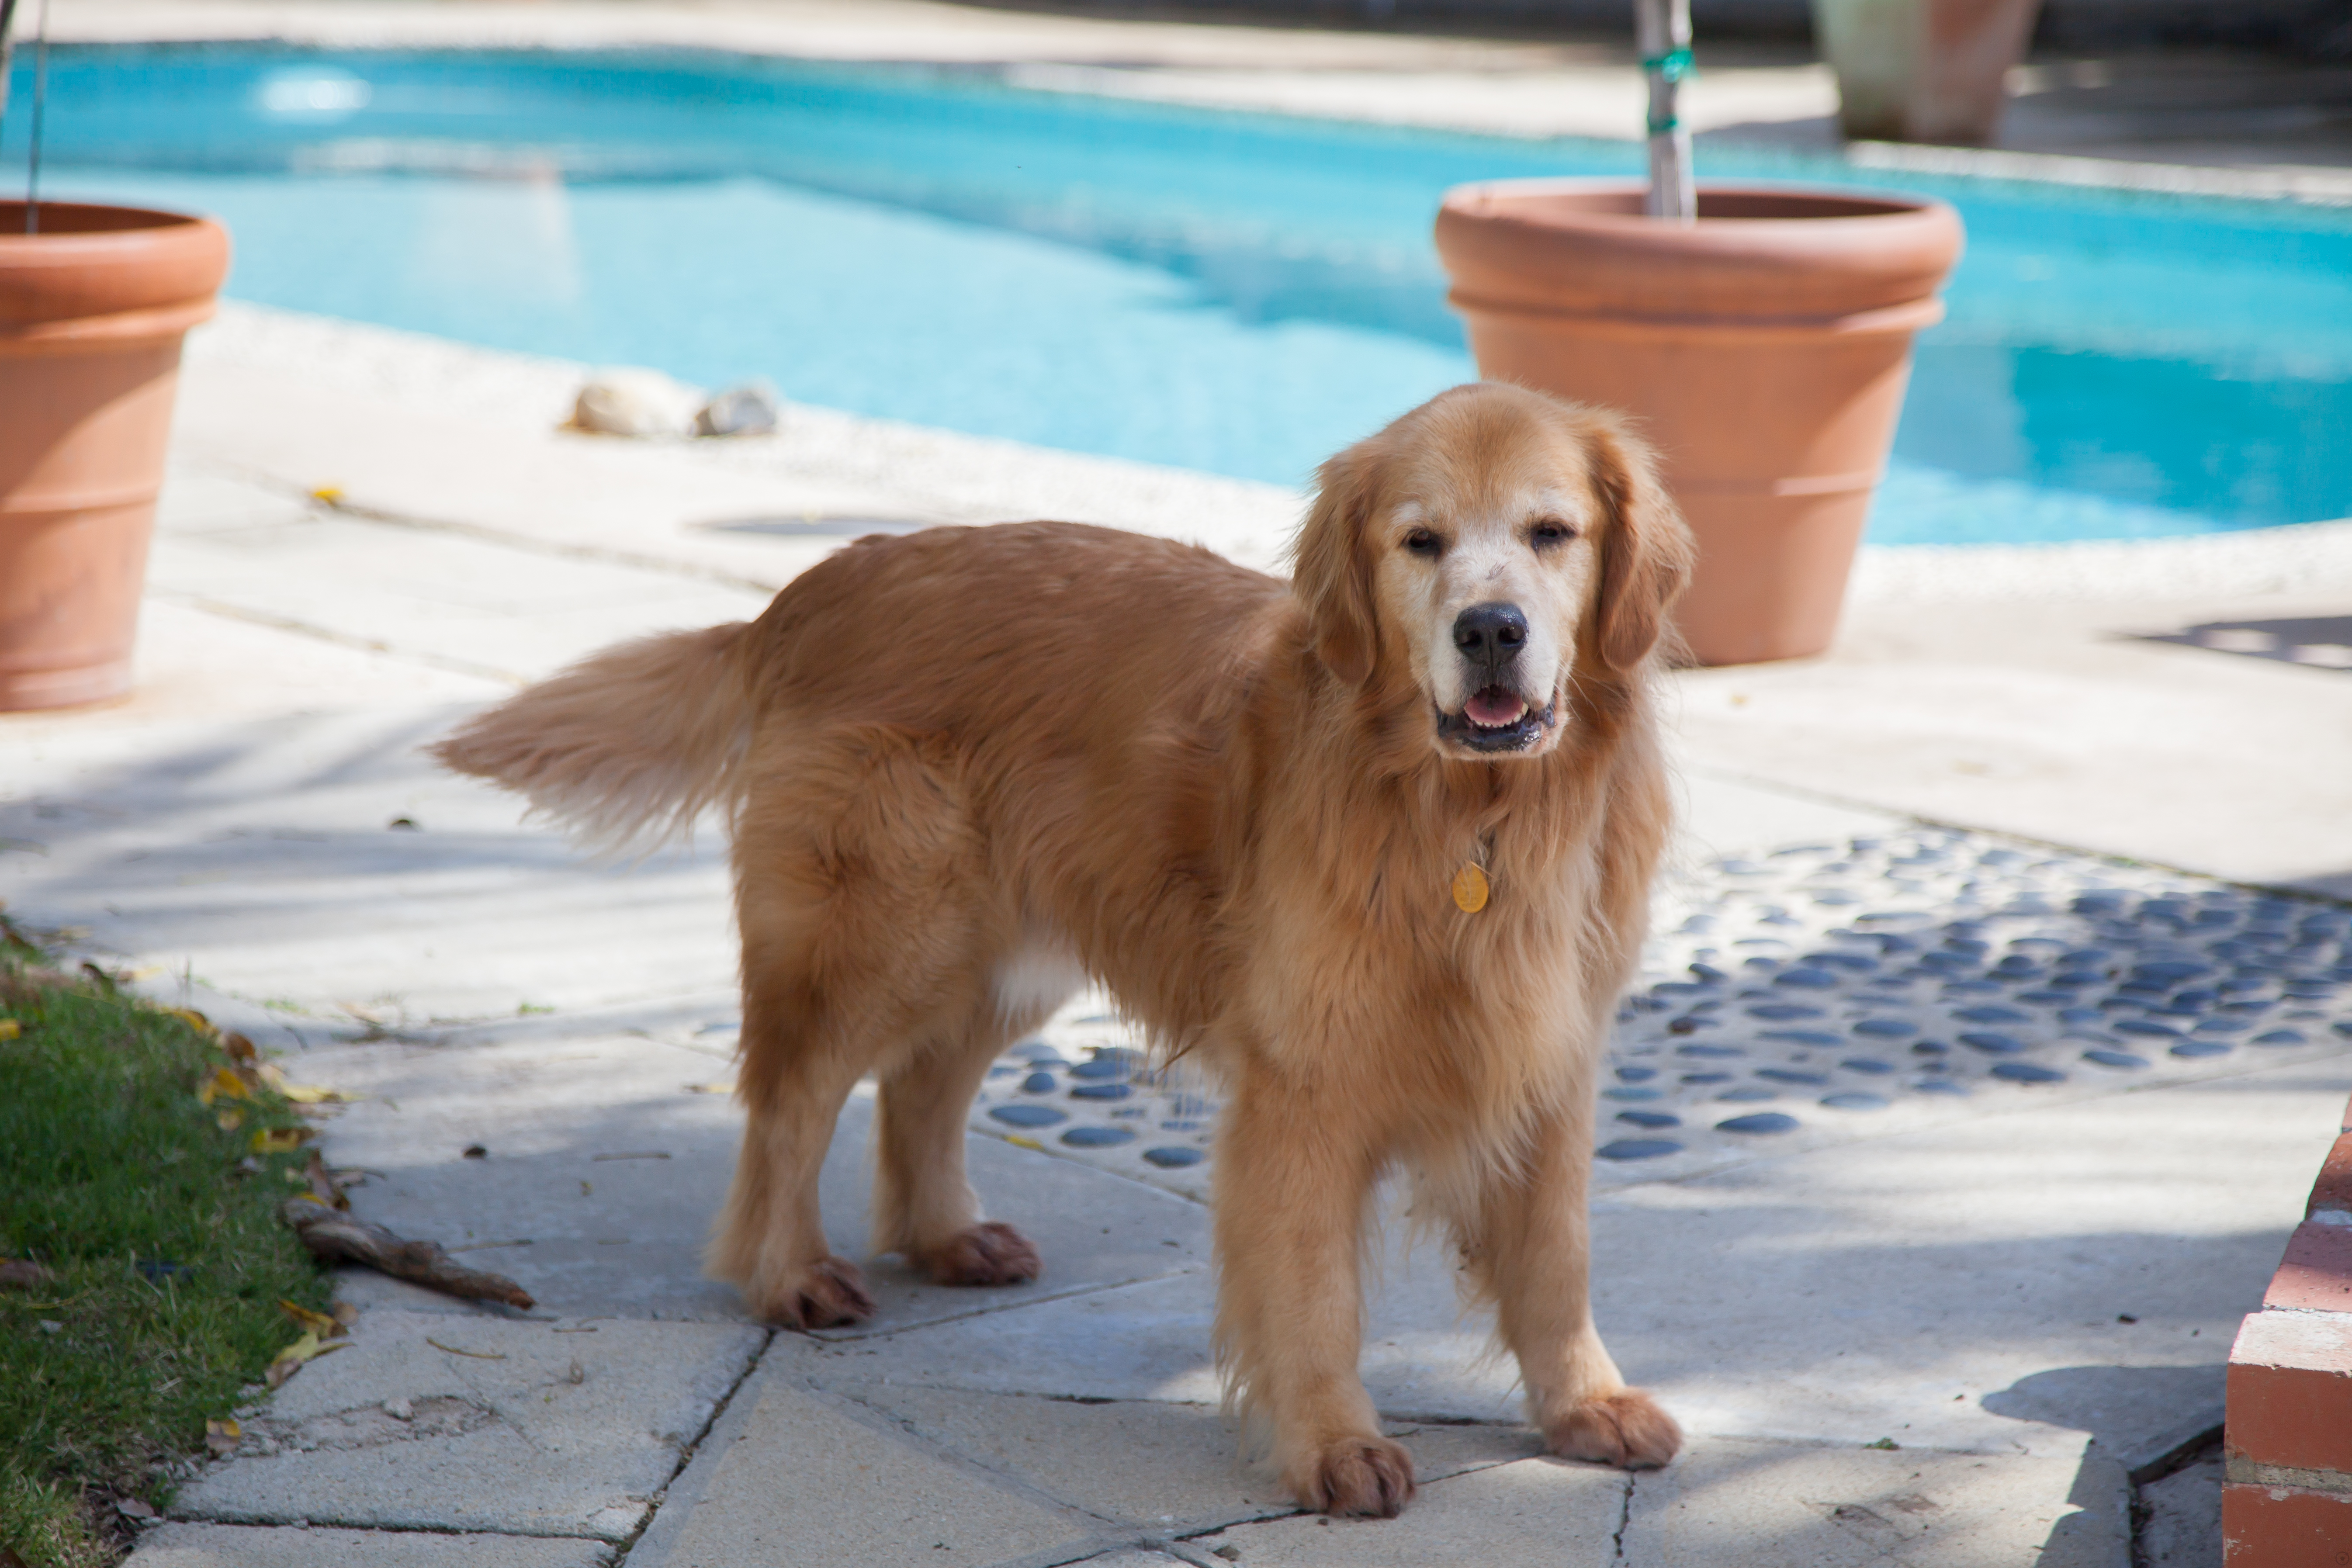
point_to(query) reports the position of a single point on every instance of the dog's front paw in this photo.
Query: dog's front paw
(1627, 1428)
(984, 1255)
(829, 1293)
(1367, 1477)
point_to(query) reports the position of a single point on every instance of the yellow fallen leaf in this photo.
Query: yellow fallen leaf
(222, 1081)
(313, 1094)
(193, 1019)
(317, 1323)
(10, 1028)
(289, 1361)
(1018, 1141)
(230, 1119)
(240, 1049)
(328, 495)
(221, 1436)
(280, 1140)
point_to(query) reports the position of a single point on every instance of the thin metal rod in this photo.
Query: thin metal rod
(7, 15)
(40, 103)
(1662, 31)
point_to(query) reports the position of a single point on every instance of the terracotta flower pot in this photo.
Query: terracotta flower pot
(1922, 70)
(1764, 350)
(92, 309)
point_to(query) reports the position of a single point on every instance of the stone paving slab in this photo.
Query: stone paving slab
(1172, 1467)
(606, 1159)
(429, 1422)
(1535, 1510)
(1782, 1506)
(797, 1475)
(179, 1545)
(267, 855)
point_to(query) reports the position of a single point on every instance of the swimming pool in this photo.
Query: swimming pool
(1231, 292)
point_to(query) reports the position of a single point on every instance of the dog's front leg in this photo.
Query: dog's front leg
(1530, 1244)
(1293, 1180)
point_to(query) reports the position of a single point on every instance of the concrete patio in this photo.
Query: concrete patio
(1960, 1292)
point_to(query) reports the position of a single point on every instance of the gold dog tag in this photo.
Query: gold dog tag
(1470, 889)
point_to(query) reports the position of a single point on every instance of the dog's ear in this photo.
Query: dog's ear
(1329, 571)
(1647, 553)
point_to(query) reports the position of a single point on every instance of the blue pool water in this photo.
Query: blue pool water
(1237, 293)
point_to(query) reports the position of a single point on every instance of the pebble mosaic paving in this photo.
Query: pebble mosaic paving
(1828, 991)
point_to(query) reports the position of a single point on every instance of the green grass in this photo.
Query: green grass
(108, 1160)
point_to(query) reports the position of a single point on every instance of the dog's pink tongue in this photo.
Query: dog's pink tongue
(1493, 707)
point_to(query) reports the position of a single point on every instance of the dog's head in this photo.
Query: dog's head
(1490, 548)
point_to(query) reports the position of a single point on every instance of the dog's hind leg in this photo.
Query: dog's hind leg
(1526, 1241)
(924, 1208)
(857, 879)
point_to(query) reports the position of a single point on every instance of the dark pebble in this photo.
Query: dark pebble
(1709, 1051)
(1651, 1119)
(2202, 1048)
(1886, 1028)
(2147, 1026)
(1803, 1036)
(1706, 1077)
(1626, 1093)
(2107, 1058)
(1939, 1085)
(2027, 1072)
(1930, 1049)
(2282, 1036)
(1028, 1115)
(1181, 1126)
(2170, 970)
(1759, 1122)
(1866, 1064)
(1850, 1101)
(1810, 979)
(1102, 1091)
(1782, 1012)
(1972, 988)
(1101, 1066)
(2045, 998)
(1855, 960)
(1993, 1044)
(1637, 1075)
(1172, 1157)
(1098, 1137)
(1793, 1075)
(1638, 1149)
(1038, 1083)
(1991, 1015)
(2224, 1025)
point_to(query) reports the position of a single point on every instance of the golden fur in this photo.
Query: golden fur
(968, 768)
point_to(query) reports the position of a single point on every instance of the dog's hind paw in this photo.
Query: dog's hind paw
(827, 1294)
(1627, 1428)
(985, 1254)
(1367, 1478)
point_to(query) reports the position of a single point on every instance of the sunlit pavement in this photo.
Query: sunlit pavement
(1913, 1304)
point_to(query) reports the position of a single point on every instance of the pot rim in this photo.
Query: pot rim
(1501, 194)
(160, 221)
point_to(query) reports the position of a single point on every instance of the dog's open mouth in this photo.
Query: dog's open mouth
(1496, 719)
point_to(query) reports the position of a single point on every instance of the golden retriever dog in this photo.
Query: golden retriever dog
(1374, 846)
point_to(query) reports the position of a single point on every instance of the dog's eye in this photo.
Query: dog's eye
(1420, 542)
(1551, 531)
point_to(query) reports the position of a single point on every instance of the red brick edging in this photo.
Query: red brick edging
(2287, 1501)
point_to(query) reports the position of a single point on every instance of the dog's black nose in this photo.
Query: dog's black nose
(1490, 635)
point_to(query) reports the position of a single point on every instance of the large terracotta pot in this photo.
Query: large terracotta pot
(1763, 349)
(92, 309)
(1922, 70)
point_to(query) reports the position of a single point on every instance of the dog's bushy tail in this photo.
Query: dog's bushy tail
(627, 748)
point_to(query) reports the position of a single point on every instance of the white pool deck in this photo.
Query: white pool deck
(1953, 1285)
